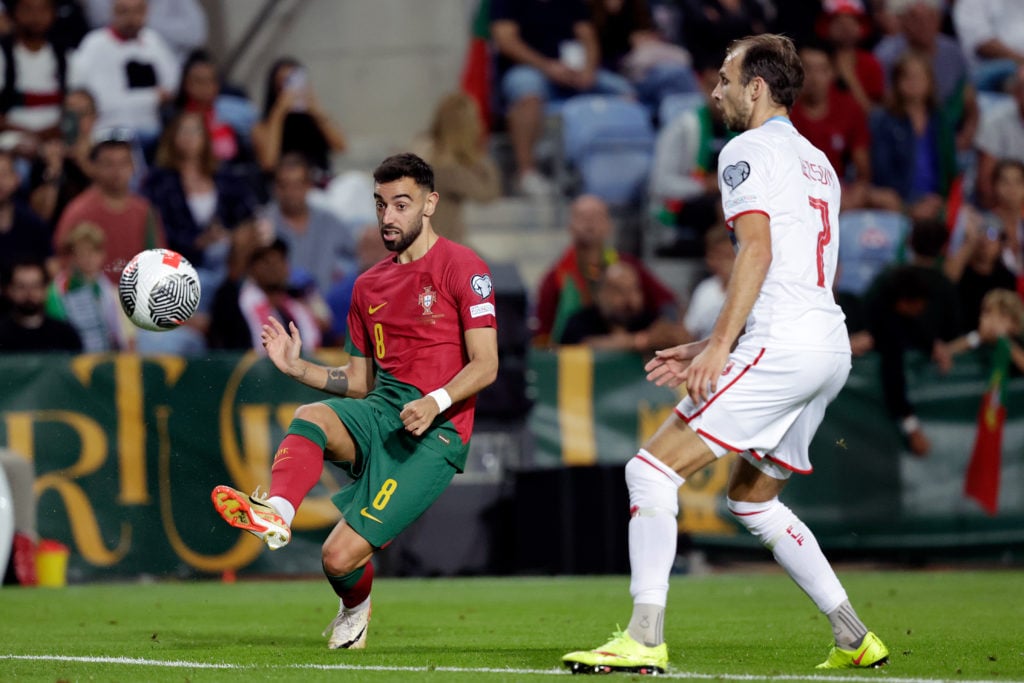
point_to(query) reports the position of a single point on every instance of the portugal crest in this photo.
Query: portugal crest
(427, 298)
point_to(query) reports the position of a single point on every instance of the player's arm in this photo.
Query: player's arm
(283, 348)
(478, 373)
(752, 262)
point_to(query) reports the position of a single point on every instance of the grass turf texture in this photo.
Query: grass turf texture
(945, 625)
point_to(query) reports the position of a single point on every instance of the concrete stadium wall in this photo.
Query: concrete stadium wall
(379, 66)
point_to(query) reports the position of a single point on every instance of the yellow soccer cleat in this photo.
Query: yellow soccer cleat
(621, 653)
(252, 514)
(872, 653)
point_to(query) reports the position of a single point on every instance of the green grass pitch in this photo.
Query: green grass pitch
(939, 626)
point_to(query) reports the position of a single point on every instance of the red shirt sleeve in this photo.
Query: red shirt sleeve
(547, 305)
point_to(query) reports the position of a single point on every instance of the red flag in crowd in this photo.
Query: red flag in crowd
(476, 70)
(982, 481)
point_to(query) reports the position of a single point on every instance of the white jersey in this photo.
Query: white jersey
(775, 171)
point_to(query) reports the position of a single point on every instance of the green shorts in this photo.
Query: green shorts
(397, 475)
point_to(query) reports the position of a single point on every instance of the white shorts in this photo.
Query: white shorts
(769, 404)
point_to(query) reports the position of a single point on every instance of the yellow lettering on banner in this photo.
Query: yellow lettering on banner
(700, 497)
(242, 553)
(131, 420)
(576, 405)
(92, 455)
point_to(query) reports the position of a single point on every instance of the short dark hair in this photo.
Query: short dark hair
(928, 237)
(406, 165)
(1005, 164)
(22, 260)
(773, 58)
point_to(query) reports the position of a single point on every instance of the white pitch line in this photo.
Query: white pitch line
(679, 675)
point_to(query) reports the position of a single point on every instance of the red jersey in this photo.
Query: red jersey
(410, 318)
(843, 129)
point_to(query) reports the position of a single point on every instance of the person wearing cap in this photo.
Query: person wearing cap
(845, 25)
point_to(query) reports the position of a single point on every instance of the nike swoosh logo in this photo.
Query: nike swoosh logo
(856, 660)
(366, 514)
(374, 309)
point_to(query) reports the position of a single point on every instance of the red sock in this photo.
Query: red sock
(298, 464)
(361, 590)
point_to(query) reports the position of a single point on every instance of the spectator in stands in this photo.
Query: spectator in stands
(977, 265)
(128, 221)
(547, 51)
(630, 45)
(229, 117)
(1002, 315)
(709, 26)
(991, 34)
(834, 123)
(82, 296)
(912, 148)
(920, 23)
(22, 233)
(129, 70)
(242, 307)
(684, 173)
(199, 208)
(26, 327)
(61, 170)
(294, 121)
(618, 319)
(845, 25)
(571, 283)
(33, 72)
(181, 23)
(709, 294)
(370, 250)
(318, 242)
(1007, 211)
(69, 27)
(1000, 136)
(913, 306)
(456, 147)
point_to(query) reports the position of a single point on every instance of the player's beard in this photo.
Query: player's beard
(407, 238)
(737, 120)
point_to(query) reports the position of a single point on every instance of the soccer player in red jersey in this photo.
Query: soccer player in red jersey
(422, 340)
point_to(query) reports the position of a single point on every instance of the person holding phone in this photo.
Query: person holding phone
(294, 121)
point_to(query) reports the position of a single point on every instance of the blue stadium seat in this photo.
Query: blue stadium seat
(869, 241)
(673, 105)
(609, 142)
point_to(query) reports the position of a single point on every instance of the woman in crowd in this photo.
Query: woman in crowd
(912, 143)
(294, 121)
(200, 209)
(455, 146)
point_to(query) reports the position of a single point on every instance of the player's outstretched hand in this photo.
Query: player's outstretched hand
(705, 370)
(418, 415)
(668, 365)
(283, 348)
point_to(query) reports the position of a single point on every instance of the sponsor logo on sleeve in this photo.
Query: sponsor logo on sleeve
(480, 310)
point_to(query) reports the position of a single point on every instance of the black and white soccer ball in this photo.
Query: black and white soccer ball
(159, 289)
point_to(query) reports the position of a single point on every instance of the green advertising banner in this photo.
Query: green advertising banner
(127, 449)
(866, 491)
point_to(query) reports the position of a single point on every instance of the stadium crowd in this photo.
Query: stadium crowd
(118, 133)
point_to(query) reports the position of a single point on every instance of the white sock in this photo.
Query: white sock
(794, 548)
(283, 508)
(653, 531)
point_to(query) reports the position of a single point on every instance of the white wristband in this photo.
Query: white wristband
(443, 400)
(910, 424)
(973, 339)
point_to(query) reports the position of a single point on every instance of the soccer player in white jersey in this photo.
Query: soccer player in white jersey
(759, 384)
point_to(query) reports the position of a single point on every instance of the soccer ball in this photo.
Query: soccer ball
(159, 289)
